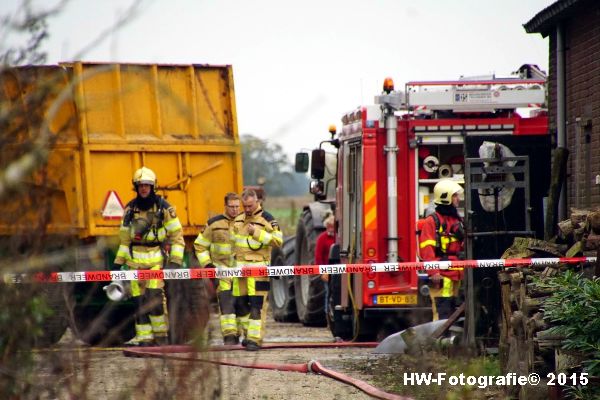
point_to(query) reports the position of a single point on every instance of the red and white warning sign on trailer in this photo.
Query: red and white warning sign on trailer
(113, 208)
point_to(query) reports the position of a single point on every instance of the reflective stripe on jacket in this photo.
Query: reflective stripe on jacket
(213, 245)
(256, 247)
(441, 242)
(143, 250)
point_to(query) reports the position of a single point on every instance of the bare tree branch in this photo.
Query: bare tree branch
(26, 20)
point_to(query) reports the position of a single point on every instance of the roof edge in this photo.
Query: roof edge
(544, 20)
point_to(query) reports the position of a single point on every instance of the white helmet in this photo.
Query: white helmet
(144, 176)
(444, 190)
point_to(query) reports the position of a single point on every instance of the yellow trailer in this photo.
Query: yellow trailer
(89, 126)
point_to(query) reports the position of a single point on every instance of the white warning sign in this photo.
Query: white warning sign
(113, 208)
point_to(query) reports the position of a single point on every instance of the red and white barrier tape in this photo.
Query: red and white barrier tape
(254, 271)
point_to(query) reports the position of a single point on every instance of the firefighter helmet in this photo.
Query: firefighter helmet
(444, 190)
(144, 176)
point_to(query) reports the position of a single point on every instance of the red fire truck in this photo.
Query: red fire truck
(389, 157)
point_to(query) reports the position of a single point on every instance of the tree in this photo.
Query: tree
(266, 163)
(23, 307)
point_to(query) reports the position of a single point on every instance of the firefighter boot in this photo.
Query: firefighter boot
(252, 346)
(143, 336)
(143, 328)
(256, 320)
(254, 334)
(230, 340)
(229, 328)
(242, 313)
(158, 319)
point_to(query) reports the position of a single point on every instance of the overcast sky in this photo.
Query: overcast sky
(299, 66)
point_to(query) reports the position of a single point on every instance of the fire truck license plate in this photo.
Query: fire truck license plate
(396, 299)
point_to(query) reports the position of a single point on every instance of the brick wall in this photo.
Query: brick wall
(582, 64)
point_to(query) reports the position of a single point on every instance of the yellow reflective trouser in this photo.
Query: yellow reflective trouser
(227, 309)
(449, 289)
(158, 326)
(143, 333)
(257, 290)
(225, 284)
(138, 287)
(229, 322)
(228, 325)
(241, 300)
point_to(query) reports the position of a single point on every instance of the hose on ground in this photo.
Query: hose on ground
(168, 352)
(316, 367)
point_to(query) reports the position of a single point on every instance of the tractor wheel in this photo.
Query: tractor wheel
(309, 289)
(282, 295)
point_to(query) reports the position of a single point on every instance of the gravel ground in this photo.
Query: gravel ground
(72, 370)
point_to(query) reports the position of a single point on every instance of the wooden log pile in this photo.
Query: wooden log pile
(525, 345)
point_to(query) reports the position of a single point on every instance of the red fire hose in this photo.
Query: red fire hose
(168, 352)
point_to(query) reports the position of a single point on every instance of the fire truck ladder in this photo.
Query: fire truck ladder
(489, 95)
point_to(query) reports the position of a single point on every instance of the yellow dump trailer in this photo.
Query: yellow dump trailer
(89, 126)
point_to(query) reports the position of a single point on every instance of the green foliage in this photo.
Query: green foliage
(266, 162)
(388, 375)
(22, 316)
(574, 310)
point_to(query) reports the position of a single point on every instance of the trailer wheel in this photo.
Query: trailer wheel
(282, 295)
(97, 321)
(309, 289)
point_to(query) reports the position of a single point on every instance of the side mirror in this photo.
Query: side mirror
(317, 187)
(301, 162)
(317, 167)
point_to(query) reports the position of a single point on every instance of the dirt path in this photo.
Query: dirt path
(75, 371)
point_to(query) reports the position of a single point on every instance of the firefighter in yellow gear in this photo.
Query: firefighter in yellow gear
(213, 248)
(441, 239)
(148, 230)
(255, 232)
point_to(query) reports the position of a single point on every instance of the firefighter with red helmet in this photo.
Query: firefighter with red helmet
(214, 249)
(149, 229)
(255, 232)
(442, 238)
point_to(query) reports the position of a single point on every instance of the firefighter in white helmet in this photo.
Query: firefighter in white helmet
(214, 249)
(255, 232)
(442, 238)
(150, 233)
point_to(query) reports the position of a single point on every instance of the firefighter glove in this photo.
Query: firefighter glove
(173, 265)
(459, 231)
(119, 267)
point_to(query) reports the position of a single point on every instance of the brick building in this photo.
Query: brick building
(573, 28)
